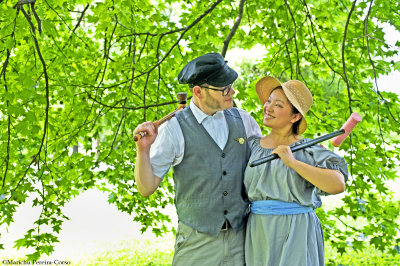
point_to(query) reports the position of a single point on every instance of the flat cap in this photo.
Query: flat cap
(210, 68)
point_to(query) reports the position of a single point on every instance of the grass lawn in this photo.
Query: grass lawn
(160, 252)
(134, 252)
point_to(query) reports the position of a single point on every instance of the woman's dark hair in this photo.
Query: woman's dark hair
(296, 125)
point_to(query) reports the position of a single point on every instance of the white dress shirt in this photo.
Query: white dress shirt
(168, 148)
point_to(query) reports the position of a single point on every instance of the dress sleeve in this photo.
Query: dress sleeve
(252, 142)
(251, 126)
(324, 158)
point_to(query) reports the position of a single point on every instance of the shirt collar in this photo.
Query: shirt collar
(200, 115)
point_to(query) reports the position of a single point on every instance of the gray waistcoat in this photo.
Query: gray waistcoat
(209, 181)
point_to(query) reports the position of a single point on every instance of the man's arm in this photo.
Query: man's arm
(146, 181)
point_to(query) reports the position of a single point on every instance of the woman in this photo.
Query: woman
(283, 228)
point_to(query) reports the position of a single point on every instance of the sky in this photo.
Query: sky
(390, 83)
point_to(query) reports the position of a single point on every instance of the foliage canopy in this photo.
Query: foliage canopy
(88, 72)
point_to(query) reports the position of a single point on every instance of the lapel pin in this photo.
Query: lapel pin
(240, 140)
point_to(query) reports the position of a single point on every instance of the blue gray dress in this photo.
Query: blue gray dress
(286, 239)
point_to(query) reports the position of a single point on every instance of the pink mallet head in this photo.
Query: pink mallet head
(353, 120)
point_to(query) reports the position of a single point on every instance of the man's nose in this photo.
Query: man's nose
(232, 91)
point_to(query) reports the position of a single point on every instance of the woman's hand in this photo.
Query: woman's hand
(328, 180)
(285, 154)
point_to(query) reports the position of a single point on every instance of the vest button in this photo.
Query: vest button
(223, 155)
(225, 212)
(224, 172)
(225, 193)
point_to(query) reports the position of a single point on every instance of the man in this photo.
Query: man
(206, 145)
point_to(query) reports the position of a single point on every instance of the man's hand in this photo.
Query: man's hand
(144, 143)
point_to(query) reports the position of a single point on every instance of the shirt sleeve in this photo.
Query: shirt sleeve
(250, 124)
(327, 159)
(167, 149)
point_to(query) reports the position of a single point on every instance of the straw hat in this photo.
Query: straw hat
(296, 92)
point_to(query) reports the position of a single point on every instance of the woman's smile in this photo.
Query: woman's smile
(268, 116)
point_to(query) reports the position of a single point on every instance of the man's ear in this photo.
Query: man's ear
(197, 91)
(296, 117)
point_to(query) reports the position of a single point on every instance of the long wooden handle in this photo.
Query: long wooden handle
(182, 96)
(158, 123)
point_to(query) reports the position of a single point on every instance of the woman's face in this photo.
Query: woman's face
(278, 111)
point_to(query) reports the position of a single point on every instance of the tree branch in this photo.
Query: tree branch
(343, 59)
(284, 46)
(46, 122)
(147, 33)
(116, 132)
(290, 61)
(80, 18)
(295, 39)
(8, 121)
(315, 41)
(373, 69)
(28, 19)
(144, 94)
(73, 31)
(181, 36)
(21, 179)
(234, 28)
(131, 108)
(20, 3)
(172, 47)
(347, 225)
(133, 64)
(107, 52)
(141, 50)
(39, 22)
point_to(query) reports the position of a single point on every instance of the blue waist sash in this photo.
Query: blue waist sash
(277, 207)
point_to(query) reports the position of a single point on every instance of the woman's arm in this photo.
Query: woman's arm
(328, 180)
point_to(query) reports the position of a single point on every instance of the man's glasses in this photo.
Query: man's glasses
(225, 90)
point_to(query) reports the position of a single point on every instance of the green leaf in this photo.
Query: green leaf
(33, 257)
(115, 65)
